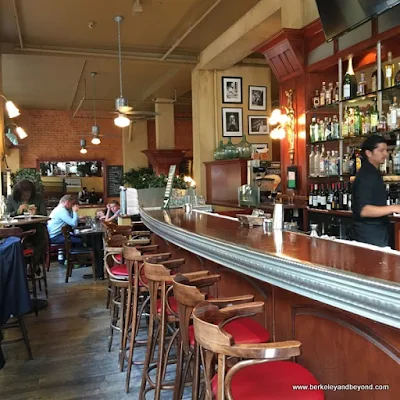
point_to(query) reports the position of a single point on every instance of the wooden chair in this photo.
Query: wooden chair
(262, 367)
(76, 254)
(163, 311)
(18, 322)
(188, 295)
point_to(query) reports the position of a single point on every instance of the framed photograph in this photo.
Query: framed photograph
(232, 122)
(258, 125)
(232, 90)
(258, 98)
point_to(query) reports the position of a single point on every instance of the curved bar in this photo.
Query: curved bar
(332, 273)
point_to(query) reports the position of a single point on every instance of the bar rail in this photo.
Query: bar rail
(315, 268)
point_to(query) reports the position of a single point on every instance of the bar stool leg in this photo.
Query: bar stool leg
(122, 327)
(25, 336)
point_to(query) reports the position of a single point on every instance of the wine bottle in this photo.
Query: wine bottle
(311, 165)
(322, 198)
(349, 196)
(310, 197)
(389, 71)
(396, 157)
(374, 80)
(362, 85)
(349, 82)
(322, 96)
(357, 122)
(397, 77)
(329, 198)
(315, 196)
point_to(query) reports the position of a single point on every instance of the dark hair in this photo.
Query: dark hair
(24, 186)
(115, 202)
(371, 144)
(84, 188)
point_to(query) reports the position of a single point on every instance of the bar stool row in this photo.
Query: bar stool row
(212, 345)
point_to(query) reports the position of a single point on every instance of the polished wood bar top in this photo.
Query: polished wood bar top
(321, 269)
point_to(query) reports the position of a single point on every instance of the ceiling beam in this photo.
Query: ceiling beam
(96, 53)
(16, 16)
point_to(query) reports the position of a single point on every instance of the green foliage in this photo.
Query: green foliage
(29, 174)
(144, 178)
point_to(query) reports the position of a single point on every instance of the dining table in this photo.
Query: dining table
(14, 291)
(94, 237)
(22, 220)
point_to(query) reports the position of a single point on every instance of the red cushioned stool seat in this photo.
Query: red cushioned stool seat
(172, 303)
(28, 252)
(243, 330)
(272, 381)
(118, 257)
(119, 270)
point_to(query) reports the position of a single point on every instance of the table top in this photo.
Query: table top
(352, 278)
(35, 219)
(89, 231)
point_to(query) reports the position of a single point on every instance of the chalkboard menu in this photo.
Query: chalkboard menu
(114, 180)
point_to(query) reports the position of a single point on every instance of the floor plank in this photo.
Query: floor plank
(69, 345)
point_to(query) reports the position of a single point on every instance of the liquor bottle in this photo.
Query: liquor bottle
(327, 161)
(315, 197)
(322, 161)
(388, 199)
(316, 161)
(396, 157)
(337, 92)
(358, 161)
(393, 110)
(321, 131)
(316, 99)
(345, 125)
(328, 128)
(346, 165)
(389, 72)
(313, 131)
(374, 119)
(310, 196)
(350, 122)
(311, 158)
(329, 198)
(362, 85)
(335, 127)
(357, 122)
(322, 198)
(329, 95)
(374, 80)
(390, 163)
(397, 77)
(349, 82)
(322, 96)
(366, 123)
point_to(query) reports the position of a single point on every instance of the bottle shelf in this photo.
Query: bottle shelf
(387, 95)
(339, 213)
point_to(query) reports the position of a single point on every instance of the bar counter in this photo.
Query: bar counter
(341, 301)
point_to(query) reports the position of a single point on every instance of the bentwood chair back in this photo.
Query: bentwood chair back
(262, 367)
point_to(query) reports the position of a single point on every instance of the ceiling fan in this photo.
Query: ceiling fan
(121, 103)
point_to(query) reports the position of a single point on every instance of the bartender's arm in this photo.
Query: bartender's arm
(369, 211)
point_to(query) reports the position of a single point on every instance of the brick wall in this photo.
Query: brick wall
(183, 134)
(52, 134)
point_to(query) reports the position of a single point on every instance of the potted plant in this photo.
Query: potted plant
(29, 174)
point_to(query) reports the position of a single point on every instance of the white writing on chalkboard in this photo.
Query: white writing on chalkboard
(114, 179)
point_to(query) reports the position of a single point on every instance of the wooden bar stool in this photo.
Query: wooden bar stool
(261, 371)
(18, 322)
(120, 282)
(188, 295)
(163, 313)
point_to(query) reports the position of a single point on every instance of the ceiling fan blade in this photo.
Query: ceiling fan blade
(143, 113)
(124, 109)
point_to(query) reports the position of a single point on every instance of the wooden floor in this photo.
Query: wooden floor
(69, 345)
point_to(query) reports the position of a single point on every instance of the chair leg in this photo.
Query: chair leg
(179, 381)
(25, 336)
(196, 373)
(147, 360)
(124, 334)
(122, 327)
(68, 273)
(93, 266)
(108, 297)
(34, 288)
(45, 282)
(160, 358)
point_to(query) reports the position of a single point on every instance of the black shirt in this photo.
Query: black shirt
(369, 189)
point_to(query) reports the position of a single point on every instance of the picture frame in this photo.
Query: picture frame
(260, 147)
(232, 92)
(258, 98)
(258, 125)
(232, 122)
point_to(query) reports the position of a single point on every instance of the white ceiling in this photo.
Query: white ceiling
(53, 69)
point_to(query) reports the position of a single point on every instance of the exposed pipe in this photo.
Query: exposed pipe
(21, 43)
(79, 106)
(189, 31)
(77, 85)
(110, 54)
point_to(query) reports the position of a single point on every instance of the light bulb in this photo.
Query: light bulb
(281, 133)
(21, 133)
(122, 121)
(12, 110)
(83, 150)
(96, 140)
(275, 116)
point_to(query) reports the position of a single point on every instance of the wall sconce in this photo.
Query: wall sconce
(83, 149)
(11, 108)
(284, 123)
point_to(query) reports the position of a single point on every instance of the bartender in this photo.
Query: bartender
(370, 211)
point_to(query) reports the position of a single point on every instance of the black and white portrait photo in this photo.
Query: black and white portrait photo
(258, 98)
(232, 90)
(258, 125)
(232, 122)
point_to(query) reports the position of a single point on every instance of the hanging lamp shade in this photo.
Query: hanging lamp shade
(83, 149)
(122, 121)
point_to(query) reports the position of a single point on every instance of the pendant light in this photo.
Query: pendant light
(121, 103)
(95, 128)
(83, 149)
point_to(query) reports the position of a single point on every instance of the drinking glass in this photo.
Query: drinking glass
(27, 215)
(290, 194)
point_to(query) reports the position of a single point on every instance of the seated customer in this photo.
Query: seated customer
(24, 198)
(66, 213)
(93, 197)
(113, 211)
(100, 214)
